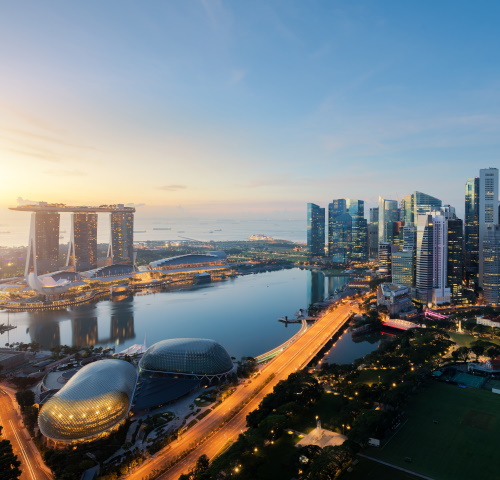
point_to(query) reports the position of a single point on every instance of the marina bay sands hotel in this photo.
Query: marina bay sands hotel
(43, 247)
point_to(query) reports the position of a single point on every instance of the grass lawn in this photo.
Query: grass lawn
(461, 446)
(465, 339)
(368, 470)
(371, 376)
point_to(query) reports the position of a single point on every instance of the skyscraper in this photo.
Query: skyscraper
(488, 209)
(491, 255)
(385, 256)
(455, 259)
(315, 230)
(388, 211)
(418, 203)
(440, 290)
(335, 209)
(341, 238)
(403, 268)
(472, 231)
(359, 249)
(43, 246)
(82, 252)
(121, 245)
(424, 263)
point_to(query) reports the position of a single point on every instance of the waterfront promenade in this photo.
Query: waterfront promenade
(213, 433)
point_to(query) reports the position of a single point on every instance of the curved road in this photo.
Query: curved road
(32, 465)
(211, 435)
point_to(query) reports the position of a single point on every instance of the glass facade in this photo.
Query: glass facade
(94, 401)
(187, 356)
(488, 209)
(491, 285)
(335, 209)
(472, 230)
(424, 258)
(403, 268)
(455, 259)
(359, 237)
(388, 211)
(315, 230)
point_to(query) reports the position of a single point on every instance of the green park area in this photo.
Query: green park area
(375, 375)
(365, 469)
(449, 433)
(466, 339)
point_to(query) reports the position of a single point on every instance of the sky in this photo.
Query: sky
(238, 109)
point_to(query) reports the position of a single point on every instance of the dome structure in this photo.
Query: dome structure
(95, 400)
(198, 357)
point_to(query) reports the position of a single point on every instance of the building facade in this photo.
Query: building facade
(82, 253)
(403, 268)
(491, 268)
(43, 245)
(359, 238)
(121, 244)
(488, 210)
(471, 231)
(336, 208)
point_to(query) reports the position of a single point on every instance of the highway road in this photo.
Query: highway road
(211, 435)
(32, 466)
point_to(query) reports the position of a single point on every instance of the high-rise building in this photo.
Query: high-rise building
(491, 271)
(424, 259)
(315, 230)
(43, 246)
(359, 239)
(409, 236)
(403, 268)
(418, 203)
(388, 211)
(374, 215)
(372, 241)
(488, 209)
(455, 259)
(440, 292)
(82, 252)
(121, 245)
(335, 209)
(385, 256)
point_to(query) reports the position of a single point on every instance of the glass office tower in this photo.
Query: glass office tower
(335, 209)
(315, 230)
(455, 259)
(471, 231)
(359, 239)
(488, 209)
(491, 254)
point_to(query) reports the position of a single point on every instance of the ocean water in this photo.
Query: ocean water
(14, 229)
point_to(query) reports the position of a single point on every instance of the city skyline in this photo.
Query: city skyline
(238, 111)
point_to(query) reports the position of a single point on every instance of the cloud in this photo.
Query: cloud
(172, 188)
(64, 173)
(25, 201)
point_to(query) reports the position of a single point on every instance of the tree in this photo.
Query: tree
(9, 464)
(25, 398)
(477, 350)
(493, 352)
(462, 353)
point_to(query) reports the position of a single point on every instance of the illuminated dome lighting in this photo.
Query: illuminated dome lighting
(197, 357)
(95, 400)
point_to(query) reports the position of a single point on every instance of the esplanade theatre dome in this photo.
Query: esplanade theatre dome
(94, 401)
(196, 357)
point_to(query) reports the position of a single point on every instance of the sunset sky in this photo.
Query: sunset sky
(245, 108)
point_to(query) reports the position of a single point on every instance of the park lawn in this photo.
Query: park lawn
(461, 446)
(371, 376)
(465, 339)
(367, 469)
